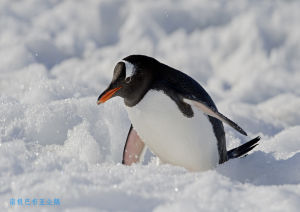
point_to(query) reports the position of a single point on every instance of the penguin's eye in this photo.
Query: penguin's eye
(128, 80)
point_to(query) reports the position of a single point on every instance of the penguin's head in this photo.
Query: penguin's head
(131, 80)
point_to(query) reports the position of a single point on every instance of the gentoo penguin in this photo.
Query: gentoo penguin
(172, 115)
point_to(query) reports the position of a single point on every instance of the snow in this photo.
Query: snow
(55, 142)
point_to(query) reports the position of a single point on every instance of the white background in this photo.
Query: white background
(56, 57)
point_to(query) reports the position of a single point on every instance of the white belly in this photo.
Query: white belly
(174, 138)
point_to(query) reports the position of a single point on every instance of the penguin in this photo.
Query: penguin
(172, 115)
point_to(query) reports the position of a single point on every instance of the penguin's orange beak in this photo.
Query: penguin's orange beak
(106, 95)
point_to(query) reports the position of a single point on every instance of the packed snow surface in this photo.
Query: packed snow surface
(57, 56)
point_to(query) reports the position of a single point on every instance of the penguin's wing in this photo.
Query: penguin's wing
(182, 88)
(214, 113)
(134, 148)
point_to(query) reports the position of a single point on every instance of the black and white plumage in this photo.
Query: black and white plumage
(172, 115)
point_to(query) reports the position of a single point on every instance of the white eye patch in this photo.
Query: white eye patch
(129, 68)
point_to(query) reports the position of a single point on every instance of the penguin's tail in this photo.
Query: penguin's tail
(243, 149)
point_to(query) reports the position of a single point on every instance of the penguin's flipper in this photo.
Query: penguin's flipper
(214, 113)
(134, 148)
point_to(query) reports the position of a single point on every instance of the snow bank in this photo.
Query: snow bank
(55, 142)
